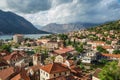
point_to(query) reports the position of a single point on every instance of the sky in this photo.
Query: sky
(43, 12)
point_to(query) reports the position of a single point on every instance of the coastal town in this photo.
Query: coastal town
(76, 55)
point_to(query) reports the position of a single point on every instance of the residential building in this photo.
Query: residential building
(52, 71)
(3, 64)
(64, 51)
(34, 72)
(59, 59)
(18, 38)
(89, 56)
(110, 56)
(36, 59)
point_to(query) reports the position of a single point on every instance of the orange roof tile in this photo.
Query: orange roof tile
(63, 50)
(4, 74)
(112, 55)
(54, 68)
(22, 75)
(107, 47)
(13, 56)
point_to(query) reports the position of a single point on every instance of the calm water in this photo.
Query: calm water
(35, 36)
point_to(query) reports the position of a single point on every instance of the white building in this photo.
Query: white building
(17, 38)
(52, 71)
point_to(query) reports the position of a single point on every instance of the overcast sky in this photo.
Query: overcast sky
(42, 12)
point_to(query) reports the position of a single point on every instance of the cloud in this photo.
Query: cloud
(42, 12)
(3, 4)
(29, 6)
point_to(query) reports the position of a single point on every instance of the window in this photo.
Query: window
(46, 74)
(60, 74)
(65, 73)
(54, 75)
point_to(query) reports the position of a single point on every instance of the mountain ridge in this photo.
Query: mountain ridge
(11, 23)
(62, 28)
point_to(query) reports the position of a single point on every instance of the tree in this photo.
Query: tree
(116, 52)
(63, 36)
(38, 49)
(110, 71)
(6, 47)
(16, 45)
(79, 48)
(101, 49)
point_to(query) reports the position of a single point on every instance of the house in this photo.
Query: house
(59, 59)
(14, 73)
(110, 56)
(89, 56)
(6, 73)
(36, 59)
(3, 64)
(52, 71)
(43, 40)
(4, 53)
(22, 75)
(51, 45)
(96, 43)
(64, 51)
(95, 75)
(34, 72)
(110, 49)
(18, 38)
(15, 57)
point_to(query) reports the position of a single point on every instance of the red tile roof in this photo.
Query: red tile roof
(3, 63)
(4, 74)
(107, 47)
(55, 68)
(112, 55)
(22, 75)
(63, 50)
(15, 55)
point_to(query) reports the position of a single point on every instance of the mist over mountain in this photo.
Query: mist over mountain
(11, 23)
(61, 28)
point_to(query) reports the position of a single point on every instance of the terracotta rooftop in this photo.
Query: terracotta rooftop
(98, 42)
(4, 74)
(22, 75)
(4, 53)
(3, 63)
(107, 47)
(63, 50)
(112, 55)
(54, 68)
(15, 55)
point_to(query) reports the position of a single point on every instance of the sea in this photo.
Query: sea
(32, 36)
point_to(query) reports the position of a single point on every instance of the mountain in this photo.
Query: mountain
(61, 28)
(11, 23)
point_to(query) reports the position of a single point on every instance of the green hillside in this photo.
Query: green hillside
(114, 25)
